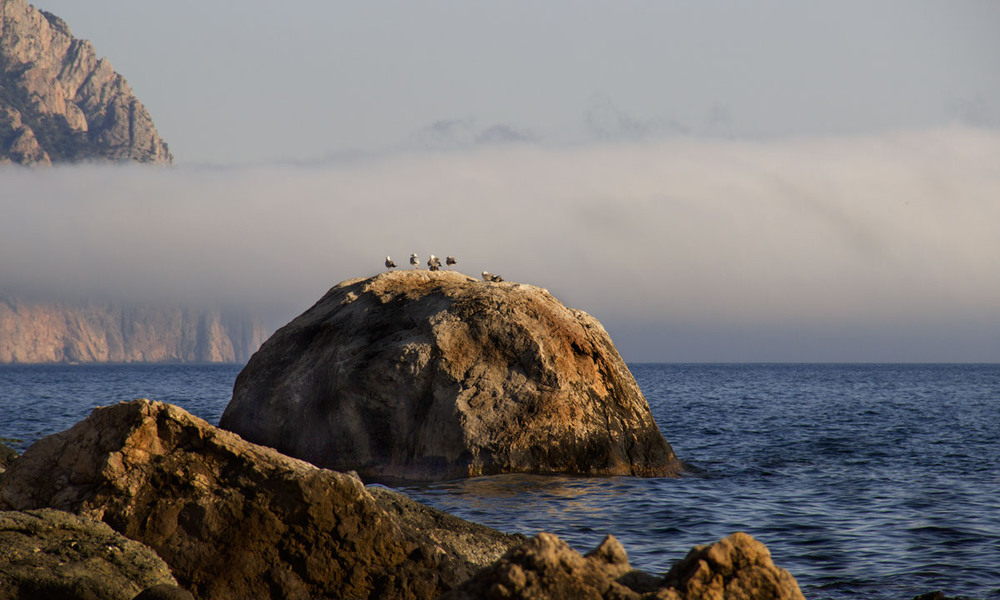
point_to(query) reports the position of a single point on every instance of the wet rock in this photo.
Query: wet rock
(430, 375)
(54, 554)
(546, 568)
(237, 520)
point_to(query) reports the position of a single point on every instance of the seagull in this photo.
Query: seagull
(415, 261)
(487, 276)
(450, 260)
(389, 264)
(433, 263)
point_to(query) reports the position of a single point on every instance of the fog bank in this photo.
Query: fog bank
(881, 247)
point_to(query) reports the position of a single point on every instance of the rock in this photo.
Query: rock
(7, 456)
(737, 567)
(60, 103)
(237, 520)
(94, 332)
(164, 592)
(430, 375)
(53, 554)
(545, 568)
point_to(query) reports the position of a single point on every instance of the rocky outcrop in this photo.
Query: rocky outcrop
(545, 568)
(54, 554)
(237, 520)
(59, 102)
(424, 375)
(89, 332)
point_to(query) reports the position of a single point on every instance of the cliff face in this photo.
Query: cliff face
(59, 102)
(54, 332)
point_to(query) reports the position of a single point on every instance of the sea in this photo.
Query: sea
(875, 481)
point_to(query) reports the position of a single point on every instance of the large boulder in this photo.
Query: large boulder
(55, 554)
(546, 568)
(433, 375)
(237, 520)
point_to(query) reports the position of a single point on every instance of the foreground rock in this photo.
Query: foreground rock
(432, 375)
(54, 554)
(237, 520)
(545, 568)
(60, 103)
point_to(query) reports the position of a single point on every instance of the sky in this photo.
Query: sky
(724, 181)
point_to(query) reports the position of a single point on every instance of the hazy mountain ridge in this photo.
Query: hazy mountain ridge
(59, 102)
(96, 332)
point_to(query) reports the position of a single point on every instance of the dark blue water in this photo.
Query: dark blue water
(864, 481)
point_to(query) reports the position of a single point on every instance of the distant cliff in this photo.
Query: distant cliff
(93, 332)
(59, 102)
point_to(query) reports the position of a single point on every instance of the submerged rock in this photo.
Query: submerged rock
(546, 568)
(432, 375)
(54, 554)
(237, 520)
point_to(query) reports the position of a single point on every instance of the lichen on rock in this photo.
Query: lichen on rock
(54, 554)
(434, 375)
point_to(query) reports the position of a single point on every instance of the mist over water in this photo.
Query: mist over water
(879, 247)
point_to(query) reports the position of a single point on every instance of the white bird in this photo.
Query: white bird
(450, 260)
(487, 276)
(389, 264)
(415, 261)
(433, 263)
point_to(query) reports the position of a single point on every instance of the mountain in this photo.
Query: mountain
(60, 103)
(94, 332)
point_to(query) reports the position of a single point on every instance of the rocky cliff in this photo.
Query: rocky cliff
(430, 375)
(89, 332)
(59, 102)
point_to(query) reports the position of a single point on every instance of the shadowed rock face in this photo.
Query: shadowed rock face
(237, 520)
(60, 103)
(428, 375)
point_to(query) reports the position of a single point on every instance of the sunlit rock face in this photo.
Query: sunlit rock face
(428, 375)
(33, 332)
(737, 567)
(236, 520)
(59, 102)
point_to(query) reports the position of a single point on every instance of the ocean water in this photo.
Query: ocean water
(864, 481)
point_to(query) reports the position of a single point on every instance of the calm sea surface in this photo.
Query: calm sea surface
(865, 481)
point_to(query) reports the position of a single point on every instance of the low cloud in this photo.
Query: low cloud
(863, 248)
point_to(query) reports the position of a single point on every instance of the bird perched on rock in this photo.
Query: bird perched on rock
(415, 261)
(389, 264)
(487, 276)
(433, 263)
(450, 260)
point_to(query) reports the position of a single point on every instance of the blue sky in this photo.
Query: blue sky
(724, 181)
